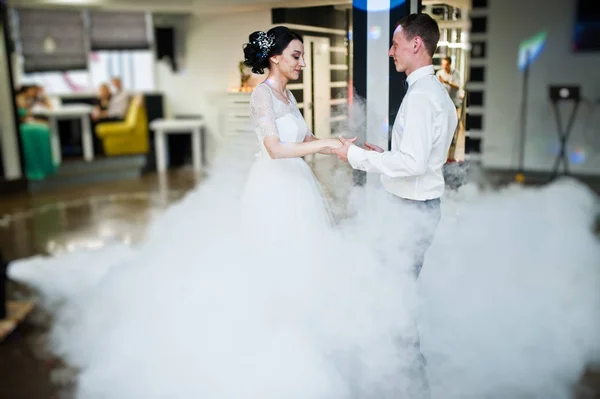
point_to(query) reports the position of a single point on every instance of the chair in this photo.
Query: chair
(129, 136)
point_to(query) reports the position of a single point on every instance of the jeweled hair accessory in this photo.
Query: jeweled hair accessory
(265, 42)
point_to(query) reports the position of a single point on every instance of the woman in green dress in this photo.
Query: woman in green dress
(35, 139)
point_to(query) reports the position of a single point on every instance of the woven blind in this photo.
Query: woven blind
(52, 40)
(119, 31)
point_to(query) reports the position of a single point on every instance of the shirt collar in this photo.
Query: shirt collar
(419, 73)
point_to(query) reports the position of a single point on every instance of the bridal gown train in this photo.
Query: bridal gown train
(246, 289)
(242, 290)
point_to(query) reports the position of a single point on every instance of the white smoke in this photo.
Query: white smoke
(507, 304)
(512, 281)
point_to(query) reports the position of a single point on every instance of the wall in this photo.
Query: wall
(213, 51)
(509, 23)
(9, 143)
(332, 23)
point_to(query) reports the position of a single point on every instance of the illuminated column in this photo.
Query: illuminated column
(374, 75)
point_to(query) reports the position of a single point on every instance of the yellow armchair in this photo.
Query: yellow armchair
(129, 136)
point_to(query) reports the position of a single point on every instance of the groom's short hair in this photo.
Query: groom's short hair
(425, 27)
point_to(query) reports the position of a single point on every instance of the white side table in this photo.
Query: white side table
(162, 127)
(74, 111)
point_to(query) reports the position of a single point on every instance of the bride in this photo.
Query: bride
(283, 136)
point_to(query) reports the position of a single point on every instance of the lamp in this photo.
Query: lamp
(529, 51)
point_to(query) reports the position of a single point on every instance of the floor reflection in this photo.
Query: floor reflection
(89, 216)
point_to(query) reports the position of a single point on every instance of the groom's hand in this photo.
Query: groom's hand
(373, 147)
(342, 152)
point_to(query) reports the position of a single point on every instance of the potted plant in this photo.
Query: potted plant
(244, 77)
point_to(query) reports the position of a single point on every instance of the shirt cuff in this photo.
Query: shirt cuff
(356, 157)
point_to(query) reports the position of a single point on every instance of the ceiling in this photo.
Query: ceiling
(198, 7)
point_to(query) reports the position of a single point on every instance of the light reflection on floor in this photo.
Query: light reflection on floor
(87, 216)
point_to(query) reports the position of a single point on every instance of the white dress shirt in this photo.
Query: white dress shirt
(421, 137)
(118, 105)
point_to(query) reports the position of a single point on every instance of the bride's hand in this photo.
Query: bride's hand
(332, 144)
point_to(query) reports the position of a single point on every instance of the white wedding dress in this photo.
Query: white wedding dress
(245, 290)
(287, 186)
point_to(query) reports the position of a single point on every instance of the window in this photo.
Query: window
(134, 67)
(59, 82)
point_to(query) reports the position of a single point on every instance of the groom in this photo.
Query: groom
(421, 135)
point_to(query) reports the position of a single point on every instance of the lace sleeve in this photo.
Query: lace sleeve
(262, 112)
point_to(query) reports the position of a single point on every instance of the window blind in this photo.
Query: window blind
(119, 31)
(52, 40)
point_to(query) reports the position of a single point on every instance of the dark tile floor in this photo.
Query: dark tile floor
(60, 220)
(65, 219)
(50, 221)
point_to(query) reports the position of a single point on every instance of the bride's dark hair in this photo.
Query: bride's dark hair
(263, 45)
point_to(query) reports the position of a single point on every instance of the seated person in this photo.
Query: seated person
(35, 97)
(26, 100)
(35, 138)
(119, 102)
(101, 114)
(40, 99)
(100, 111)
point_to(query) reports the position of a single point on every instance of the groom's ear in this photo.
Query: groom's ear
(417, 42)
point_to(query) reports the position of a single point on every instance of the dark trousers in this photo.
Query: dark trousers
(98, 145)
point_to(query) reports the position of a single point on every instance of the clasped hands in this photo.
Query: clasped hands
(342, 150)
